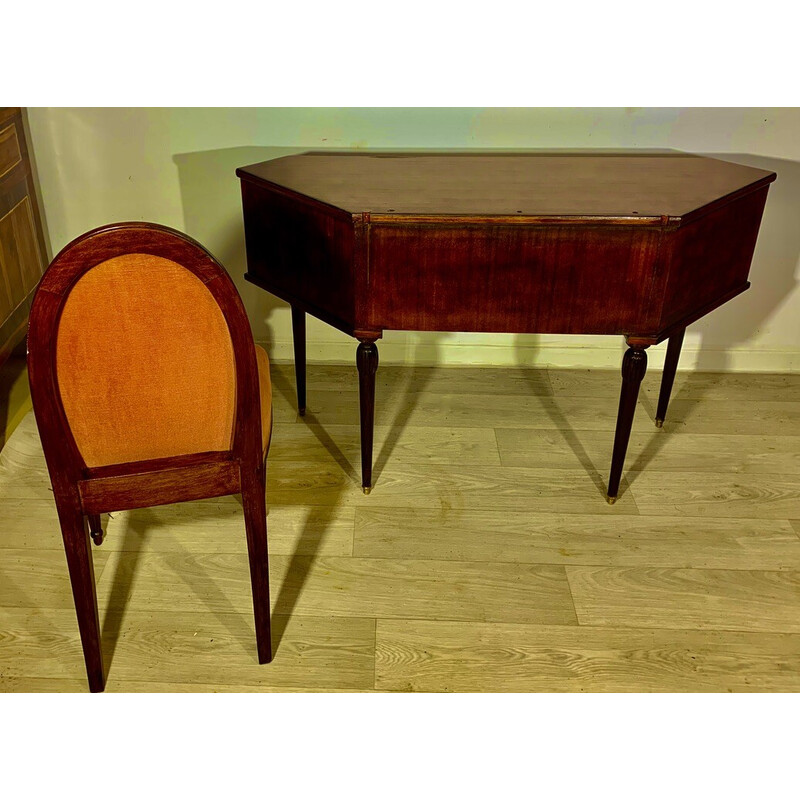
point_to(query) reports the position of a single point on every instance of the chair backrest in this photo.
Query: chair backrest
(139, 348)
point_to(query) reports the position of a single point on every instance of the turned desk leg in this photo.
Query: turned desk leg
(299, 339)
(668, 376)
(367, 362)
(634, 365)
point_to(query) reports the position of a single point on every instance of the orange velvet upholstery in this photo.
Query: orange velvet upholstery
(145, 364)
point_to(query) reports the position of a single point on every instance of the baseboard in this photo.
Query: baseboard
(399, 351)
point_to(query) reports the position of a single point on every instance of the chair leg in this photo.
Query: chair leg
(95, 529)
(81, 574)
(255, 520)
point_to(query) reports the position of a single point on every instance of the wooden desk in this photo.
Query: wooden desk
(638, 245)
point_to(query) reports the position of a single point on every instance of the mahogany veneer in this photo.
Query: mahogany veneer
(635, 244)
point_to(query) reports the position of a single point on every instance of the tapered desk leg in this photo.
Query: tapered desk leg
(634, 365)
(668, 376)
(299, 339)
(367, 362)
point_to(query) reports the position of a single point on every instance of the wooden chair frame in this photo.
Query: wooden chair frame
(83, 493)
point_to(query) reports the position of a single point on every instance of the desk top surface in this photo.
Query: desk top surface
(570, 183)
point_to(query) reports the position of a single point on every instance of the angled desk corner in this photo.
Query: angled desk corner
(636, 244)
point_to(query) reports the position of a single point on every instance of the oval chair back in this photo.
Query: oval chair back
(147, 389)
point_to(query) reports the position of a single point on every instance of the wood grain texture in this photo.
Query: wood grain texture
(20, 259)
(447, 487)
(65, 685)
(755, 600)
(423, 656)
(767, 496)
(23, 253)
(531, 184)
(589, 539)
(453, 577)
(323, 443)
(213, 526)
(10, 153)
(38, 578)
(502, 242)
(668, 450)
(438, 410)
(304, 585)
(187, 646)
(511, 279)
(391, 379)
(727, 386)
(123, 492)
(765, 418)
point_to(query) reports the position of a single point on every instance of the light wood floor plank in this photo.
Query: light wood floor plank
(755, 418)
(187, 647)
(190, 647)
(661, 450)
(770, 418)
(445, 487)
(307, 441)
(205, 526)
(489, 491)
(423, 656)
(41, 642)
(689, 385)
(753, 600)
(21, 684)
(32, 578)
(301, 585)
(518, 537)
(431, 410)
(391, 379)
(700, 494)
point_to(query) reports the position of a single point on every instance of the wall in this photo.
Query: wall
(176, 166)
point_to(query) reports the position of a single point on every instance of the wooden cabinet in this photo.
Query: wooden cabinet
(22, 249)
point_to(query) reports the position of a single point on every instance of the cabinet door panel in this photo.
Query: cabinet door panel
(22, 254)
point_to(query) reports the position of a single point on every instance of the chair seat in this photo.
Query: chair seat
(265, 390)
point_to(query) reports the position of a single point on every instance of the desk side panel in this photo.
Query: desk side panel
(513, 278)
(709, 259)
(302, 252)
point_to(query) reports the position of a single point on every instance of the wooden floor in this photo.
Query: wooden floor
(485, 559)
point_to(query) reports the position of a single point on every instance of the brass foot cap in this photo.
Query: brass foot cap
(659, 423)
(611, 500)
(366, 489)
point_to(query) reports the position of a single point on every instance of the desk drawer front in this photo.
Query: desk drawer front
(512, 278)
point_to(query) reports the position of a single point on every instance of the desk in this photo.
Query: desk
(639, 245)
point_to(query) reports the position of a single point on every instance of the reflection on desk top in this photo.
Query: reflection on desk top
(625, 187)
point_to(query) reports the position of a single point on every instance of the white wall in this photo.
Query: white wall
(176, 166)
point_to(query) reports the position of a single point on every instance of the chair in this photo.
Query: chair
(147, 389)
